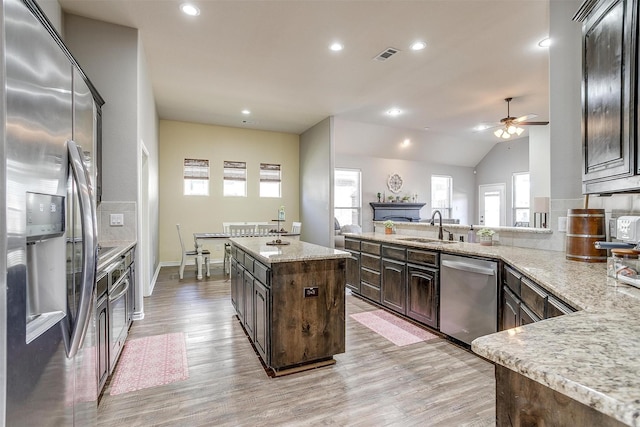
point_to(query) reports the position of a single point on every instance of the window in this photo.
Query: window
(234, 177)
(441, 195)
(196, 177)
(346, 196)
(521, 199)
(270, 179)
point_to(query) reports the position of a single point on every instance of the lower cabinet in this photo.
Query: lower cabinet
(422, 298)
(261, 311)
(353, 271)
(102, 340)
(394, 289)
(249, 309)
(524, 301)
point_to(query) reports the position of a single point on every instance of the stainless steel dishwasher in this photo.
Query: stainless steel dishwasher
(468, 297)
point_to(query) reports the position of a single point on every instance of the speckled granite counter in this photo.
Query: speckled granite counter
(592, 356)
(294, 251)
(110, 250)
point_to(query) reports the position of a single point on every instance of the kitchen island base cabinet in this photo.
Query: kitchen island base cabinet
(521, 401)
(293, 311)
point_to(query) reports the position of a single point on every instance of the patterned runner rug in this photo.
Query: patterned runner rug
(149, 362)
(393, 328)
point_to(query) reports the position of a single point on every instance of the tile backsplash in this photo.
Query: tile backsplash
(127, 231)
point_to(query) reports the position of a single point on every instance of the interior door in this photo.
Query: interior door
(492, 205)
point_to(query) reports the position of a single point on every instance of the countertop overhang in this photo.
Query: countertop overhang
(292, 252)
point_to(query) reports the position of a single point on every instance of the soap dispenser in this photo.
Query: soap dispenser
(471, 236)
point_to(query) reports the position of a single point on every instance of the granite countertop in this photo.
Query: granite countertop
(110, 250)
(593, 355)
(294, 251)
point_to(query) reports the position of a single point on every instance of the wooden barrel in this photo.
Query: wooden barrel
(584, 228)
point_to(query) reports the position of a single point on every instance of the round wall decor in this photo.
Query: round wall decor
(394, 183)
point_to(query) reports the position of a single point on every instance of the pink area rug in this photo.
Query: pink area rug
(149, 362)
(393, 328)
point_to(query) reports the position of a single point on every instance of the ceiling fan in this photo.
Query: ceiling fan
(510, 126)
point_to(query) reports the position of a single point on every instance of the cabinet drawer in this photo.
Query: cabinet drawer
(527, 316)
(556, 308)
(512, 279)
(394, 252)
(237, 254)
(372, 278)
(352, 244)
(261, 272)
(415, 256)
(371, 262)
(533, 296)
(370, 248)
(248, 263)
(370, 292)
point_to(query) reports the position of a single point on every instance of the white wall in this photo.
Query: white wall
(499, 165)
(316, 183)
(417, 180)
(109, 55)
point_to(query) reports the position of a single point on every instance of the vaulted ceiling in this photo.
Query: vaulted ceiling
(272, 57)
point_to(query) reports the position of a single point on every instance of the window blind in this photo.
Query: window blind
(196, 169)
(269, 172)
(235, 171)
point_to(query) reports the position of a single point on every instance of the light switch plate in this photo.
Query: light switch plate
(562, 224)
(116, 220)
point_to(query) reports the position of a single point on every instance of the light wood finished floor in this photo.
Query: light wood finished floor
(375, 383)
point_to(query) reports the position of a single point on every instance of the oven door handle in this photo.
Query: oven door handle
(122, 292)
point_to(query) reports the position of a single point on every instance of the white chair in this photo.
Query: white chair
(264, 230)
(295, 228)
(194, 253)
(242, 230)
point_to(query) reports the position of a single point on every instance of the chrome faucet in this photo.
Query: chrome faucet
(433, 222)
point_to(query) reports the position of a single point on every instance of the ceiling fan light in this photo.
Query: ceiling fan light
(519, 131)
(506, 135)
(512, 129)
(498, 133)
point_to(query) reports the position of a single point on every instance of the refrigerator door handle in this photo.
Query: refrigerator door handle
(89, 246)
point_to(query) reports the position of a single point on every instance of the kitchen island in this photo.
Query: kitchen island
(585, 364)
(290, 300)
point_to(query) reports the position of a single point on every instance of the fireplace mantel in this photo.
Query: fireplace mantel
(398, 211)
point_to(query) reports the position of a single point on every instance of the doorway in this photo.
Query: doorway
(491, 204)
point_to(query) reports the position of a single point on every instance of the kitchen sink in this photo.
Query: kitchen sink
(426, 240)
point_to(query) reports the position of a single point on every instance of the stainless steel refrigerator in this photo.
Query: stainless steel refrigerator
(48, 238)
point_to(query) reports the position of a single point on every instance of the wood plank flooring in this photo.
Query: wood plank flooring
(375, 383)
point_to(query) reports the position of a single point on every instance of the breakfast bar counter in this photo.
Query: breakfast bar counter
(290, 300)
(590, 356)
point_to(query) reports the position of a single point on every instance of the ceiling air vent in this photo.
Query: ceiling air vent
(386, 54)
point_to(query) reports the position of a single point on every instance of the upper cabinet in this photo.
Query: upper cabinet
(609, 93)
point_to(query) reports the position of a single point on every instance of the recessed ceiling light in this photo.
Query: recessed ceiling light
(546, 42)
(481, 127)
(419, 45)
(406, 142)
(336, 47)
(246, 112)
(189, 9)
(394, 112)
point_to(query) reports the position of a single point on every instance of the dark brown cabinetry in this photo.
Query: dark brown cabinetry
(524, 301)
(370, 270)
(261, 334)
(353, 264)
(393, 283)
(402, 278)
(609, 128)
(293, 312)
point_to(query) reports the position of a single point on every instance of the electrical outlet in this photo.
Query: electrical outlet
(116, 220)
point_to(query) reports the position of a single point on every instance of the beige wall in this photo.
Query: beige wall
(180, 140)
